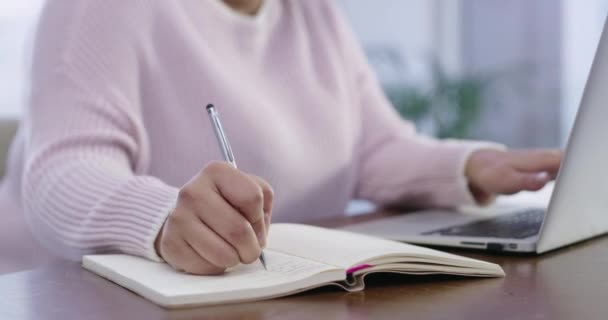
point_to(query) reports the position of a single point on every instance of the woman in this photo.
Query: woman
(118, 154)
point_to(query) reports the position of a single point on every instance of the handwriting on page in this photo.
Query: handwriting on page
(291, 266)
(282, 268)
(278, 265)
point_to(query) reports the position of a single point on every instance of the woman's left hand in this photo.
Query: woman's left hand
(491, 172)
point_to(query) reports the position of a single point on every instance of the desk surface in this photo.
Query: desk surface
(567, 284)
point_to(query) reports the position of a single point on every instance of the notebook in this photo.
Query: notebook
(299, 258)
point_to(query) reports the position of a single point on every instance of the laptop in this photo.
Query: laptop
(575, 209)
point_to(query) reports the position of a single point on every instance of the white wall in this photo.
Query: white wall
(419, 30)
(17, 19)
(405, 24)
(582, 25)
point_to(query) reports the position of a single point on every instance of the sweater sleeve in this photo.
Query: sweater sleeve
(396, 164)
(84, 186)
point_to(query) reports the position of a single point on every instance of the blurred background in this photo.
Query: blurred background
(509, 71)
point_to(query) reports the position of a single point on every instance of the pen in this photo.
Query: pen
(222, 141)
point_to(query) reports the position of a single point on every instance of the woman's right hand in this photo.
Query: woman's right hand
(221, 219)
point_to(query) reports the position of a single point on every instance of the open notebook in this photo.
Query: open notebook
(299, 258)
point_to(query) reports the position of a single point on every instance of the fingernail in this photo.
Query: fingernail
(542, 176)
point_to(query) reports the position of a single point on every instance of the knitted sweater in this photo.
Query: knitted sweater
(115, 122)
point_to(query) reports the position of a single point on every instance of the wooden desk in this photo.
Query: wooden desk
(568, 284)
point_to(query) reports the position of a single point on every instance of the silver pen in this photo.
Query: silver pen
(222, 141)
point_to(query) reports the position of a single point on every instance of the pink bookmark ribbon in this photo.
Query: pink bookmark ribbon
(357, 268)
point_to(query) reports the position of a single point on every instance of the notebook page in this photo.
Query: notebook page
(346, 249)
(153, 280)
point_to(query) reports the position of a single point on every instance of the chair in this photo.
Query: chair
(8, 127)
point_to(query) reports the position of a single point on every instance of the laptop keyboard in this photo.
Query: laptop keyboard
(516, 226)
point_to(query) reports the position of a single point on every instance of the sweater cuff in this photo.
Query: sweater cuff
(459, 193)
(152, 202)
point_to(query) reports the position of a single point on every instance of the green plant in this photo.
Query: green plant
(452, 105)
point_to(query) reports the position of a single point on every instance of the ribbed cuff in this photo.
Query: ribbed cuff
(150, 202)
(456, 153)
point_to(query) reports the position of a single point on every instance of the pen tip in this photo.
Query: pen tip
(263, 260)
(209, 106)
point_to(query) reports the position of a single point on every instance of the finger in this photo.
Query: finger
(239, 190)
(207, 244)
(268, 193)
(536, 160)
(516, 181)
(243, 193)
(230, 225)
(182, 257)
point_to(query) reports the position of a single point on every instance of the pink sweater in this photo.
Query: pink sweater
(116, 122)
